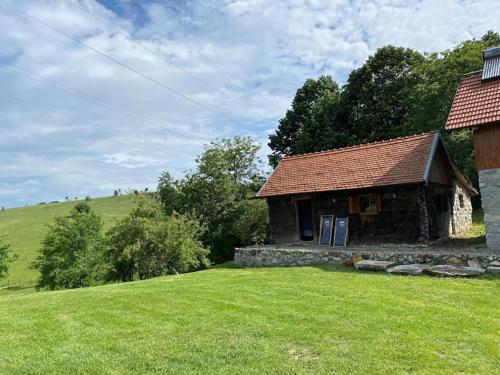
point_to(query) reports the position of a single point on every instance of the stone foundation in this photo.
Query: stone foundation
(305, 255)
(489, 182)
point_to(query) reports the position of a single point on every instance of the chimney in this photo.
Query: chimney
(491, 68)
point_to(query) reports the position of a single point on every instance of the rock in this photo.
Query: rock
(448, 270)
(473, 263)
(408, 269)
(493, 269)
(356, 259)
(456, 261)
(373, 265)
(495, 263)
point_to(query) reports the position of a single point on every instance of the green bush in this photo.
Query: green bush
(71, 253)
(149, 243)
(5, 258)
(252, 224)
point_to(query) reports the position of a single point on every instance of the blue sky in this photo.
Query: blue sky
(73, 123)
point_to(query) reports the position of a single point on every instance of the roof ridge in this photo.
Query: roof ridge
(361, 145)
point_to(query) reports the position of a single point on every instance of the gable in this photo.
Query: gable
(440, 171)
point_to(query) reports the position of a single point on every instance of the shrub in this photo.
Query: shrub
(252, 224)
(5, 258)
(148, 243)
(72, 251)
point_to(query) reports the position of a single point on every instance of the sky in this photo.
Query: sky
(104, 95)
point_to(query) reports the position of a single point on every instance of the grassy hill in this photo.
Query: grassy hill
(255, 321)
(25, 227)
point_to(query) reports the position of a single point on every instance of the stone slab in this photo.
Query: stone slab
(373, 265)
(493, 269)
(448, 270)
(408, 269)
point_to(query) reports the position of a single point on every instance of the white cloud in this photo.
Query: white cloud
(244, 59)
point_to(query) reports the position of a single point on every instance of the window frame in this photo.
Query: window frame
(370, 196)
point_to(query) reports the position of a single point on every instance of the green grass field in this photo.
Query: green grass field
(25, 227)
(257, 321)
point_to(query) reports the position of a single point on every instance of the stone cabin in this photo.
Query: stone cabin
(400, 190)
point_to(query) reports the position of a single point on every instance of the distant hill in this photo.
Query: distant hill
(25, 228)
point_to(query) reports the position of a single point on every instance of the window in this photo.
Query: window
(461, 199)
(368, 204)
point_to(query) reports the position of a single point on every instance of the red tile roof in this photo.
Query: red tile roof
(393, 162)
(475, 104)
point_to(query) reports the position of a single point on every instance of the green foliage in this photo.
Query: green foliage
(285, 140)
(26, 239)
(5, 258)
(252, 223)
(227, 173)
(148, 243)
(71, 253)
(377, 96)
(168, 193)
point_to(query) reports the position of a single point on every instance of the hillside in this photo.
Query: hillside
(255, 321)
(25, 227)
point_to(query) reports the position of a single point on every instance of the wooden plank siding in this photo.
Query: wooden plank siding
(487, 147)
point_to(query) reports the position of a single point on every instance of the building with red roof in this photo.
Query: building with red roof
(477, 106)
(405, 189)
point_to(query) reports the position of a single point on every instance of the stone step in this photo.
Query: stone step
(448, 270)
(408, 269)
(493, 269)
(373, 265)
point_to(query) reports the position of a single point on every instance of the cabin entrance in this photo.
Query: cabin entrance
(304, 208)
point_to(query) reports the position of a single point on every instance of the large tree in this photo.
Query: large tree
(216, 192)
(377, 97)
(285, 140)
(71, 253)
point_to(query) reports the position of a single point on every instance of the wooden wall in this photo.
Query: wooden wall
(487, 147)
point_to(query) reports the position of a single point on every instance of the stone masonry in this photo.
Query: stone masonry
(461, 210)
(308, 255)
(489, 183)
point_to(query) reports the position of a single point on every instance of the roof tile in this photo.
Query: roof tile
(392, 162)
(475, 104)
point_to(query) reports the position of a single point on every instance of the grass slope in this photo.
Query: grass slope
(25, 228)
(256, 321)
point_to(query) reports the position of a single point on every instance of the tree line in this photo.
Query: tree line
(397, 92)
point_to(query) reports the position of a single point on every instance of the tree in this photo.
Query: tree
(377, 98)
(168, 193)
(115, 193)
(71, 253)
(285, 140)
(149, 243)
(227, 174)
(5, 258)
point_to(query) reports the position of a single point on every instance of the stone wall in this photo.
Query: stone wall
(262, 256)
(489, 183)
(461, 210)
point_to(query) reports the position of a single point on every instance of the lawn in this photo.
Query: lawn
(257, 321)
(25, 227)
